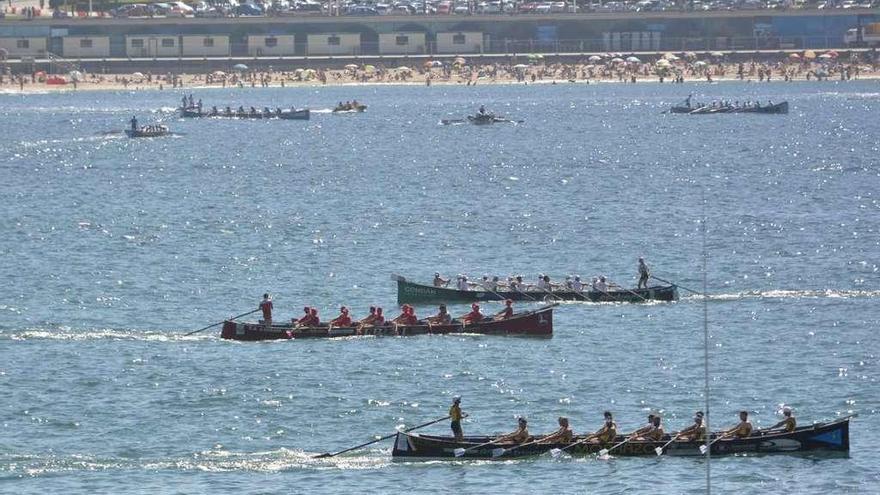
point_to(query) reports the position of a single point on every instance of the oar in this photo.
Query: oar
(325, 455)
(631, 292)
(704, 447)
(221, 322)
(501, 451)
(460, 452)
(558, 452)
(452, 121)
(677, 285)
(660, 450)
(604, 452)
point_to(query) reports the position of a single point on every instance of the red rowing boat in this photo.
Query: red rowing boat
(536, 323)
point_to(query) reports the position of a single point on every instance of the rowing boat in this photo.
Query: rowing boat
(350, 109)
(194, 112)
(831, 436)
(776, 108)
(536, 323)
(147, 131)
(411, 292)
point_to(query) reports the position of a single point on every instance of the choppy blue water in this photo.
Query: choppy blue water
(113, 248)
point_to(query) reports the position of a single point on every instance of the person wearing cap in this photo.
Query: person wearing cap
(644, 429)
(455, 417)
(474, 316)
(644, 274)
(440, 281)
(266, 307)
(606, 433)
(562, 435)
(520, 435)
(442, 317)
(343, 320)
(506, 313)
(695, 432)
(742, 429)
(788, 423)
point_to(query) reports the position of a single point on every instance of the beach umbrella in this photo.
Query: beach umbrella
(218, 73)
(75, 76)
(240, 67)
(369, 68)
(794, 56)
(351, 66)
(520, 66)
(634, 60)
(459, 61)
(826, 56)
(716, 54)
(809, 54)
(663, 63)
(833, 53)
(616, 60)
(594, 58)
(535, 56)
(700, 63)
(137, 75)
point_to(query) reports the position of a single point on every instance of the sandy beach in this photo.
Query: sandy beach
(667, 69)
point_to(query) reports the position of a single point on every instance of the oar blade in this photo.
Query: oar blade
(555, 452)
(321, 456)
(603, 452)
(498, 452)
(658, 450)
(703, 449)
(458, 452)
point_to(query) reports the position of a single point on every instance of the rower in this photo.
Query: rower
(644, 273)
(442, 317)
(547, 285)
(407, 316)
(380, 318)
(577, 286)
(562, 435)
(645, 429)
(440, 281)
(517, 284)
(134, 123)
(491, 285)
(304, 319)
(695, 432)
(314, 320)
(343, 320)
(462, 282)
(788, 424)
(266, 307)
(568, 283)
(741, 430)
(506, 313)
(540, 285)
(606, 433)
(520, 435)
(474, 316)
(655, 434)
(601, 285)
(482, 110)
(191, 100)
(455, 416)
(369, 319)
(184, 102)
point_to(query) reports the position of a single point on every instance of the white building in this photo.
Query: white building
(24, 47)
(333, 44)
(152, 45)
(460, 42)
(265, 45)
(85, 46)
(401, 43)
(205, 46)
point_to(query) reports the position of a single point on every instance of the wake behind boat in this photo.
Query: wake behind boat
(831, 437)
(412, 292)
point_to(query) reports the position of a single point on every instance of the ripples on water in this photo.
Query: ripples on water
(117, 247)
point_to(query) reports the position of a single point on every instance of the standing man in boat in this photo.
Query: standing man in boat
(788, 423)
(561, 435)
(134, 123)
(265, 304)
(455, 416)
(644, 273)
(742, 429)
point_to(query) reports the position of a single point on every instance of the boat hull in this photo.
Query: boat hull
(778, 108)
(303, 114)
(411, 292)
(537, 323)
(143, 133)
(830, 437)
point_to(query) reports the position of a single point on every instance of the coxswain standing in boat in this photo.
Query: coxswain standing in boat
(561, 435)
(440, 281)
(475, 316)
(644, 273)
(695, 432)
(455, 416)
(788, 423)
(442, 317)
(506, 313)
(520, 435)
(134, 123)
(266, 308)
(742, 430)
(606, 434)
(343, 320)
(482, 110)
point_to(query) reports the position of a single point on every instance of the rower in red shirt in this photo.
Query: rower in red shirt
(407, 316)
(474, 316)
(314, 321)
(343, 320)
(266, 307)
(505, 313)
(304, 319)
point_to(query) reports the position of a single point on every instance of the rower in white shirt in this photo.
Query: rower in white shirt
(577, 286)
(462, 283)
(601, 285)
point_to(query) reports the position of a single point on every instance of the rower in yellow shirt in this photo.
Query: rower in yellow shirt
(788, 423)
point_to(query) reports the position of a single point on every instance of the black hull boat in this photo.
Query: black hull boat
(303, 114)
(828, 437)
(776, 108)
(350, 109)
(411, 292)
(147, 132)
